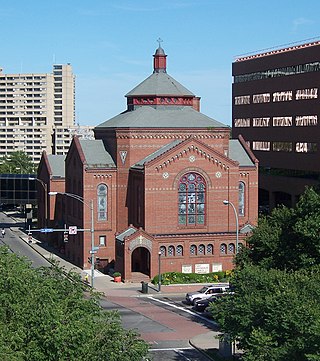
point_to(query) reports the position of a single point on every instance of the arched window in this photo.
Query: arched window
(223, 248)
(231, 248)
(201, 249)
(179, 250)
(209, 249)
(193, 250)
(171, 252)
(192, 190)
(163, 251)
(102, 202)
(241, 198)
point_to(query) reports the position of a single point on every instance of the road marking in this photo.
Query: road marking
(183, 309)
(171, 349)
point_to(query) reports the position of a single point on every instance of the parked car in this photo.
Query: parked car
(206, 292)
(200, 305)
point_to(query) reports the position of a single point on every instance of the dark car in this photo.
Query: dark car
(202, 304)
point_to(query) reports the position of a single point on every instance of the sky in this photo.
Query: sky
(110, 44)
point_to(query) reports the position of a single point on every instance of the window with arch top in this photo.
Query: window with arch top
(102, 202)
(191, 201)
(241, 198)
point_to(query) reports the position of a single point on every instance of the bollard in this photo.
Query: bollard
(144, 287)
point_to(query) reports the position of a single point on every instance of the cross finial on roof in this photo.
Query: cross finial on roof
(159, 40)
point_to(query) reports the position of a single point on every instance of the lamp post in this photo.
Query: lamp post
(90, 205)
(44, 185)
(228, 203)
(159, 276)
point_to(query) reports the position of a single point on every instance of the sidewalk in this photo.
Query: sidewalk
(129, 295)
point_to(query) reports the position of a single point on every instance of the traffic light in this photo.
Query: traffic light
(89, 260)
(65, 237)
(97, 260)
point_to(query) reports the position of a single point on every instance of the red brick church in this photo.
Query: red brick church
(157, 175)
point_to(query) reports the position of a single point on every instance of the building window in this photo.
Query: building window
(201, 249)
(163, 251)
(193, 250)
(102, 202)
(306, 120)
(261, 98)
(209, 249)
(191, 199)
(242, 99)
(282, 146)
(260, 122)
(265, 146)
(305, 147)
(102, 241)
(241, 198)
(242, 122)
(179, 250)
(282, 96)
(282, 121)
(223, 248)
(231, 248)
(171, 252)
(311, 93)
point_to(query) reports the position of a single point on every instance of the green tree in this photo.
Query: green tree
(287, 239)
(274, 315)
(17, 162)
(44, 316)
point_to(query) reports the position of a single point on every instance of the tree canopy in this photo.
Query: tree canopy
(44, 316)
(17, 162)
(274, 313)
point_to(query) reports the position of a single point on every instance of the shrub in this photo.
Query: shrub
(170, 278)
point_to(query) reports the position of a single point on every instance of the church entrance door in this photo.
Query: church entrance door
(140, 261)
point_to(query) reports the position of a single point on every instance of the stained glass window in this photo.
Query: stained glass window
(191, 199)
(241, 199)
(209, 249)
(163, 251)
(193, 250)
(231, 248)
(201, 249)
(102, 202)
(223, 248)
(171, 251)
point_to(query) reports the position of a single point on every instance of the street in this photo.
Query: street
(165, 323)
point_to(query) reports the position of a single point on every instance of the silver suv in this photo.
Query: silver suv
(206, 292)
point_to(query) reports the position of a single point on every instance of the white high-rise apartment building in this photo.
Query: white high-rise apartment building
(32, 106)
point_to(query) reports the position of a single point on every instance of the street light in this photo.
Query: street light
(159, 276)
(228, 203)
(90, 205)
(44, 185)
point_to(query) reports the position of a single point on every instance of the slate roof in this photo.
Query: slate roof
(156, 154)
(57, 165)
(239, 154)
(160, 84)
(128, 232)
(95, 153)
(162, 117)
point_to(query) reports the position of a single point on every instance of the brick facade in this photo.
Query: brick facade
(143, 199)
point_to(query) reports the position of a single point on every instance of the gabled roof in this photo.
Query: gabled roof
(160, 84)
(95, 153)
(156, 154)
(162, 117)
(239, 154)
(57, 165)
(128, 232)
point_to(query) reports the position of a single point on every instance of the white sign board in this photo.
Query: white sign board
(186, 268)
(73, 230)
(216, 267)
(202, 268)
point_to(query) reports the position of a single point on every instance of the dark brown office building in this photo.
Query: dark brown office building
(276, 108)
